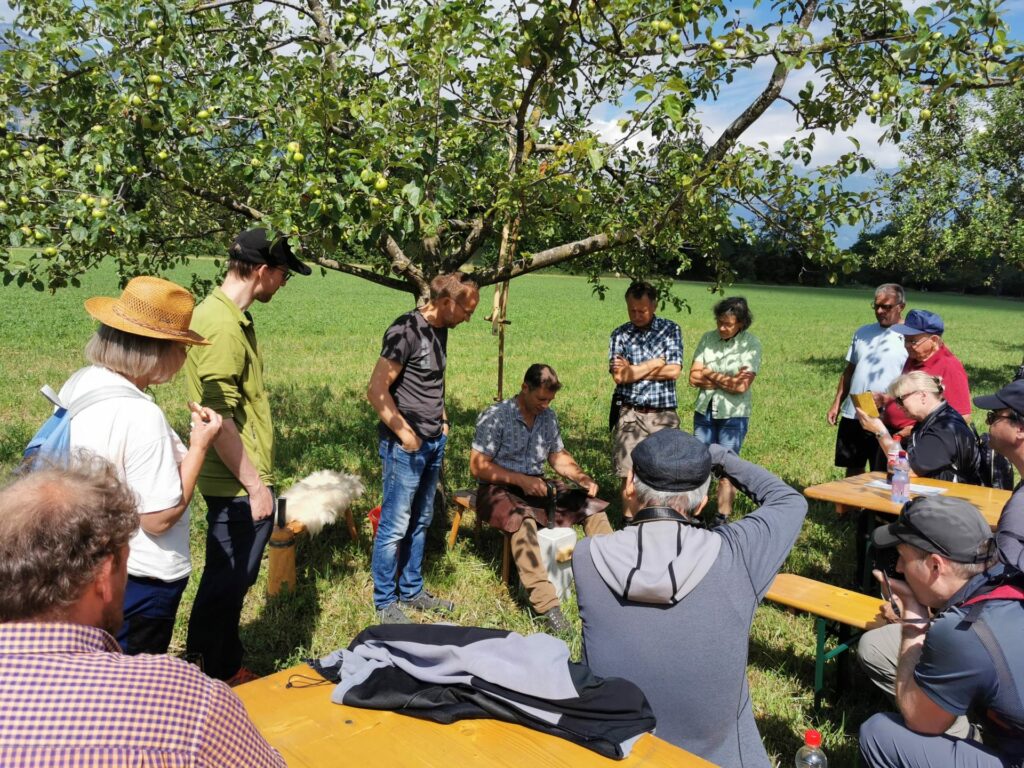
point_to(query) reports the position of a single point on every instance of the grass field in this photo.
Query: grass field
(320, 338)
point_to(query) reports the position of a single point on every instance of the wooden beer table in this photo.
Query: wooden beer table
(855, 492)
(311, 731)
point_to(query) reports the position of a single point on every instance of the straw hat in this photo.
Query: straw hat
(149, 306)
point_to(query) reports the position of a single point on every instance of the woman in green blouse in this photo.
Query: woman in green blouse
(724, 367)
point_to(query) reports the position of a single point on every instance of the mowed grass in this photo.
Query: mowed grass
(321, 338)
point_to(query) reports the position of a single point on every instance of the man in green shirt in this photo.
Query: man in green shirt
(237, 477)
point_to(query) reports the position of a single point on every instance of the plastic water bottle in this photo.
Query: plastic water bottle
(810, 754)
(901, 479)
(890, 457)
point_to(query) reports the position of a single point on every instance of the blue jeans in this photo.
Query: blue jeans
(409, 483)
(729, 433)
(150, 606)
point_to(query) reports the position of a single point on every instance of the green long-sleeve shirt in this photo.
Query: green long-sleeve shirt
(227, 376)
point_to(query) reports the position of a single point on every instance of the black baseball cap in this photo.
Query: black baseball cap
(671, 460)
(1011, 396)
(953, 528)
(254, 247)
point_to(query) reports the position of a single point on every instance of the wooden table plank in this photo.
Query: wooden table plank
(834, 603)
(311, 731)
(853, 492)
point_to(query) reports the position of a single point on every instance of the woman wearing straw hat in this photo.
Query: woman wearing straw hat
(141, 341)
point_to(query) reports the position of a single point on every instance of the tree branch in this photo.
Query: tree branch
(363, 273)
(556, 255)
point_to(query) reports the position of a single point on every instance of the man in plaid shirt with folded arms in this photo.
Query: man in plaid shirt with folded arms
(69, 697)
(645, 357)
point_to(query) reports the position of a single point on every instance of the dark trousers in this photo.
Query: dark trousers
(150, 606)
(234, 549)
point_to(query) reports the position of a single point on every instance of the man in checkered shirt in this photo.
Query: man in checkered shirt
(645, 357)
(69, 697)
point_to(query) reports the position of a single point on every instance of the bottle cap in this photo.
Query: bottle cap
(812, 738)
(897, 438)
(903, 454)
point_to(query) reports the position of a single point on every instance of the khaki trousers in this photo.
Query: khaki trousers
(532, 573)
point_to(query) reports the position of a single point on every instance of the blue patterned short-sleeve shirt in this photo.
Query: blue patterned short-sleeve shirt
(662, 338)
(502, 435)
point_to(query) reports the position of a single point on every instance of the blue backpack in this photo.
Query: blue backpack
(51, 445)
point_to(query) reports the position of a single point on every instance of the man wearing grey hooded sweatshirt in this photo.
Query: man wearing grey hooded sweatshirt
(667, 604)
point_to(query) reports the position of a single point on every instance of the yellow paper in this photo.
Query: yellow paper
(866, 402)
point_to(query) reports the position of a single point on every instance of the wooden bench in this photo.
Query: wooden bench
(848, 609)
(466, 500)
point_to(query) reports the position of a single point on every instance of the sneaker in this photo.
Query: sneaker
(556, 621)
(425, 601)
(392, 614)
(241, 677)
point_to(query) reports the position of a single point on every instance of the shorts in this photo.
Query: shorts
(632, 429)
(856, 447)
(728, 433)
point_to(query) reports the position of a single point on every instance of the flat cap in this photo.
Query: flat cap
(671, 460)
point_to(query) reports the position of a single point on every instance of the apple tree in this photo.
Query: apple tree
(956, 204)
(395, 140)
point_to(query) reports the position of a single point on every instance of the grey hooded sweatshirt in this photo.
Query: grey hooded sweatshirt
(669, 607)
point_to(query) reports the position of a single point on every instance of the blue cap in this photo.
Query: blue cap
(920, 321)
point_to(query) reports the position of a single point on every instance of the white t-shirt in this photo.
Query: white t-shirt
(878, 355)
(134, 435)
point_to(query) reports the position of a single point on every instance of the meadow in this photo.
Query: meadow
(321, 337)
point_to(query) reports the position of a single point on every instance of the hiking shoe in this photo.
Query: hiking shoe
(392, 614)
(241, 677)
(556, 621)
(425, 601)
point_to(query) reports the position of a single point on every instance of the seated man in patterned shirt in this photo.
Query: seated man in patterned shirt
(69, 696)
(513, 440)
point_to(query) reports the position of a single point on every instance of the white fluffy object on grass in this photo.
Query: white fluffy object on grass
(321, 498)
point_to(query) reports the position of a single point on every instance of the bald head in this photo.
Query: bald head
(57, 527)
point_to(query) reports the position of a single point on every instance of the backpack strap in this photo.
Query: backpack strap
(79, 404)
(1002, 668)
(75, 406)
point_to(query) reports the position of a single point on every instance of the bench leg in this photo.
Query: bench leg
(819, 662)
(506, 556)
(456, 522)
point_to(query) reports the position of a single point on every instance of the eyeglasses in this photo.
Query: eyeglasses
(286, 272)
(899, 400)
(993, 416)
(884, 307)
(913, 341)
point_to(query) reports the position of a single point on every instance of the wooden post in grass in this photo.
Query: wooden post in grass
(281, 570)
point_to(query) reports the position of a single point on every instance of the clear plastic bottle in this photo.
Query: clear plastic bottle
(901, 479)
(810, 754)
(891, 455)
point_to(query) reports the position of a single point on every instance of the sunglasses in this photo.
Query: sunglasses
(885, 307)
(287, 274)
(993, 416)
(899, 400)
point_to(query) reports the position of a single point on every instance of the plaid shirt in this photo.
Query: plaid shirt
(68, 697)
(661, 338)
(502, 435)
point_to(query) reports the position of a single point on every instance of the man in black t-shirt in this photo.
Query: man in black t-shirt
(407, 392)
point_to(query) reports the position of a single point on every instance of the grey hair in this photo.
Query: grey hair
(681, 501)
(894, 288)
(134, 356)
